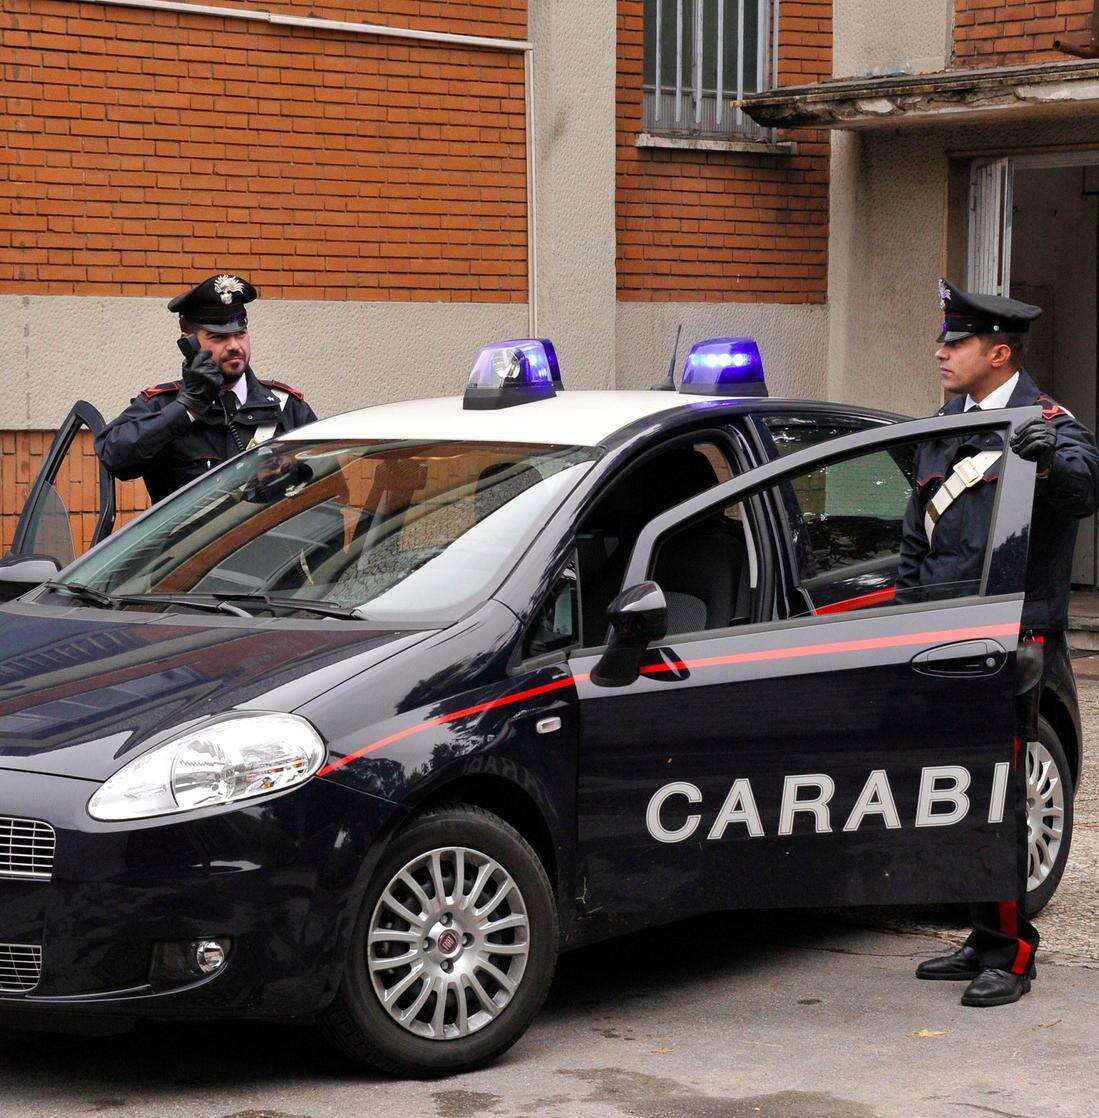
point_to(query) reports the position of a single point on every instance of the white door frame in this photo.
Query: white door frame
(988, 262)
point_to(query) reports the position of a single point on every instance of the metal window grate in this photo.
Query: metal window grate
(700, 57)
(26, 848)
(20, 967)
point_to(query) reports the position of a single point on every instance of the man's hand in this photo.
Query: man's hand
(1035, 441)
(202, 381)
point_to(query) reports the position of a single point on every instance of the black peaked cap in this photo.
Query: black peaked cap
(966, 313)
(218, 304)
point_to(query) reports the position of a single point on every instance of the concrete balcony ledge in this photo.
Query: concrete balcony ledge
(942, 97)
(698, 143)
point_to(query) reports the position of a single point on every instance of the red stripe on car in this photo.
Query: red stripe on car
(863, 601)
(867, 643)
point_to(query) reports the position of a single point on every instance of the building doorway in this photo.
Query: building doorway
(1034, 235)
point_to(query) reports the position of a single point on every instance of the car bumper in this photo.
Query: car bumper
(279, 878)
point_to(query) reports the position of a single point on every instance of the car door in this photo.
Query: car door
(70, 506)
(816, 758)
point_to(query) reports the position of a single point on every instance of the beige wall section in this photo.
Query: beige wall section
(888, 216)
(891, 35)
(343, 355)
(793, 340)
(574, 119)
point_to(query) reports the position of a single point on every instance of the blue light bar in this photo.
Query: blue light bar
(514, 372)
(724, 367)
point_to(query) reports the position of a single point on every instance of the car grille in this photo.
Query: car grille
(20, 967)
(26, 848)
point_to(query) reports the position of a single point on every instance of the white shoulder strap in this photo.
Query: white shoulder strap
(964, 476)
(264, 433)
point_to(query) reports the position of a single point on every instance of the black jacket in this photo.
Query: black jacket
(1061, 500)
(155, 438)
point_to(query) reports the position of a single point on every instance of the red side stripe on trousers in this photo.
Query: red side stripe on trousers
(1009, 926)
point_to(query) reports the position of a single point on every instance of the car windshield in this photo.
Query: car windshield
(403, 532)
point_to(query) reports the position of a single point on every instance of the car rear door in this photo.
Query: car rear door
(69, 508)
(822, 758)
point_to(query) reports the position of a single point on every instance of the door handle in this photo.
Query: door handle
(961, 658)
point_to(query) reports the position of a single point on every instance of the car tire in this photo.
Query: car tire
(1048, 751)
(369, 1032)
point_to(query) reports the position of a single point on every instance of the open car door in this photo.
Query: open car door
(818, 757)
(54, 530)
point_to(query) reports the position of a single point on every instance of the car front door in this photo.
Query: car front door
(818, 757)
(69, 508)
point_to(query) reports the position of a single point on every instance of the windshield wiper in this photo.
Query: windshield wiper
(84, 593)
(109, 601)
(183, 600)
(325, 609)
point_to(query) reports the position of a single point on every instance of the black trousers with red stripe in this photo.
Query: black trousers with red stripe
(1002, 936)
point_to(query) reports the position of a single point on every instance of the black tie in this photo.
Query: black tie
(976, 407)
(229, 399)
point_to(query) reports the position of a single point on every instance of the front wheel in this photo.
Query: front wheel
(453, 950)
(1049, 816)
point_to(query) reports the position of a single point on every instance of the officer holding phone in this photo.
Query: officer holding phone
(171, 433)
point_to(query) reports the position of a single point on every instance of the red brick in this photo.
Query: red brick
(355, 151)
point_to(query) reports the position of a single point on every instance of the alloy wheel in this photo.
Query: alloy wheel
(1045, 812)
(448, 943)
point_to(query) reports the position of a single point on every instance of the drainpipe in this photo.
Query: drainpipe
(1083, 46)
(381, 31)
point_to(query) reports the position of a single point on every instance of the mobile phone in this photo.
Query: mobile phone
(189, 346)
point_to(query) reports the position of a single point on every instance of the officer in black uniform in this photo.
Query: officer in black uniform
(945, 533)
(172, 433)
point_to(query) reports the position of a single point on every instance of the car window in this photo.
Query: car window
(606, 537)
(556, 624)
(792, 432)
(405, 532)
(846, 522)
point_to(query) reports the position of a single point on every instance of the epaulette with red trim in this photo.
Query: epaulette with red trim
(161, 389)
(296, 393)
(1050, 409)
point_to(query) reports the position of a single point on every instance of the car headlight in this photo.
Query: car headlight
(235, 758)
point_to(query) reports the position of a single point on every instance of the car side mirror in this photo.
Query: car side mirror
(638, 616)
(20, 573)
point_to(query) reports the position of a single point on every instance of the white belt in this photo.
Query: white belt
(262, 434)
(966, 474)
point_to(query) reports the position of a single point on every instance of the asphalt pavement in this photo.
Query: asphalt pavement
(780, 1015)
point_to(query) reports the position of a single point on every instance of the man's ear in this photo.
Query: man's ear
(1000, 356)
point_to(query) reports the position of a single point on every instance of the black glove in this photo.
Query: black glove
(202, 381)
(1036, 441)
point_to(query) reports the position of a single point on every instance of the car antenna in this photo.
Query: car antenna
(668, 383)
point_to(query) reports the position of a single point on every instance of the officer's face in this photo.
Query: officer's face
(232, 352)
(973, 365)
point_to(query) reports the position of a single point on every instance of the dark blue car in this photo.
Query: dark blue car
(368, 724)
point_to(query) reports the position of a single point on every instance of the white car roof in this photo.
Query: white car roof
(570, 418)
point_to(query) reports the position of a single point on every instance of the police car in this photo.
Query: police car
(369, 723)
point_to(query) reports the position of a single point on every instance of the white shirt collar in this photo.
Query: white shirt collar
(240, 389)
(996, 399)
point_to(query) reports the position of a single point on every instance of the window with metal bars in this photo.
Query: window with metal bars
(701, 56)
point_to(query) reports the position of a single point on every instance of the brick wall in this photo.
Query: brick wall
(716, 227)
(21, 453)
(1005, 33)
(141, 149)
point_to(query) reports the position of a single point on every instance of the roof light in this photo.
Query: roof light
(724, 367)
(514, 372)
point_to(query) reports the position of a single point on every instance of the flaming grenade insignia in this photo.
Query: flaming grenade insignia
(228, 286)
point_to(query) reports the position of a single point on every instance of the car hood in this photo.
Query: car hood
(81, 692)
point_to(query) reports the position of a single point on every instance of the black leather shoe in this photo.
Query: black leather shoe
(963, 965)
(996, 987)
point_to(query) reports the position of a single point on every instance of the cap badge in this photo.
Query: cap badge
(226, 287)
(943, 294)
